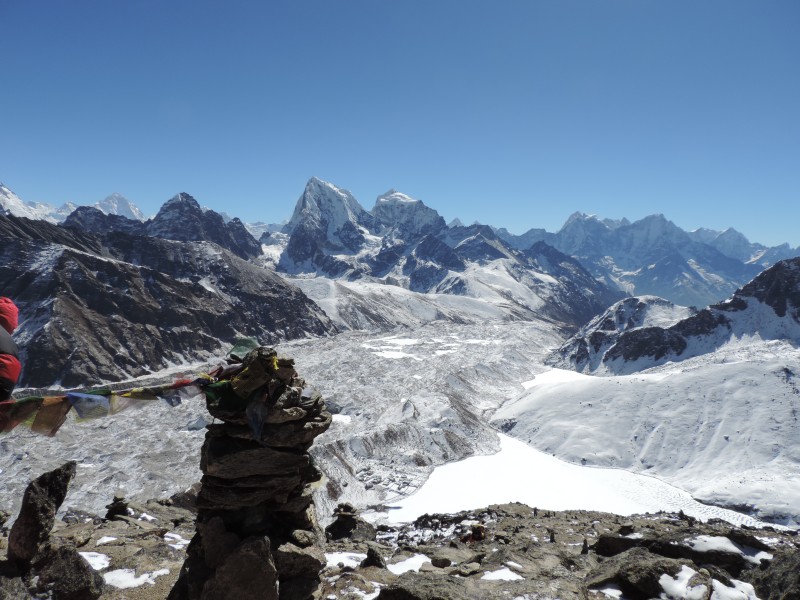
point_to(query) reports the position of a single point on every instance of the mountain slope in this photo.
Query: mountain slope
(99, 309)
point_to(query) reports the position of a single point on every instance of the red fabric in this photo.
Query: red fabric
(9, 314)
(9, 368)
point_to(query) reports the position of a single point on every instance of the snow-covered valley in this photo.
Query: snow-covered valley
(723, 428)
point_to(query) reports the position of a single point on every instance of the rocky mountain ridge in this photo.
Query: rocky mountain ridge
(109, 307)
(181, 219)
(330, 234)
(406, 244)
(653, 256)
(767, 308)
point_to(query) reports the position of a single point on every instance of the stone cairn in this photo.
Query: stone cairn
(257, 534)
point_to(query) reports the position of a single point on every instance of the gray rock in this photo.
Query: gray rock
(43, 497)
(67, 576)
(428, 586)
(780, 580)
(12, 588)
(374, 557)
(293, 561)
(637, 572)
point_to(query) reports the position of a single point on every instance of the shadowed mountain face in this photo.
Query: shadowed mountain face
(104, 308)
(625, 340)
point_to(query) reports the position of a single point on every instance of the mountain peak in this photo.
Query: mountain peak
(117, 204)
(406, 215)
(394, 196)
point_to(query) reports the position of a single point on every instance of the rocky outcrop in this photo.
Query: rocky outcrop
(257, 533)
(30, 534)
(40, 565)
(347, 524)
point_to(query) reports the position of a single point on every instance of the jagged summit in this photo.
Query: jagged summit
(324, 203)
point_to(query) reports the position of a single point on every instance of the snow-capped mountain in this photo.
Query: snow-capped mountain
(327, 225)
(11, 204)
(585, 350)
(767, 308)
(404, 217)
(117, 204)
(653, 256)
(180, 218)
(734, 244)
(97, 308)
(402, 242)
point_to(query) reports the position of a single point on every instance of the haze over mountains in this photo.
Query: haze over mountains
(104, 297)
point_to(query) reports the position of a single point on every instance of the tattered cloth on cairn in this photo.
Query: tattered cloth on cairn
(257, 535)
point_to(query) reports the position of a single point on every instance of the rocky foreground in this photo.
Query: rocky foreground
(508, 551)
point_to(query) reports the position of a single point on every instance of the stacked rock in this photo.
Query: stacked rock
(257, 534)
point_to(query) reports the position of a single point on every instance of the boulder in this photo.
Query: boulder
(30, 533)
(349, 525)
(65, 575)
(374, 557)
(637, 572)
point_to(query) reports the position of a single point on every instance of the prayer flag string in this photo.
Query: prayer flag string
(46, 414)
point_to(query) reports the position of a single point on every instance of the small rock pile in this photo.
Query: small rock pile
(257, 534)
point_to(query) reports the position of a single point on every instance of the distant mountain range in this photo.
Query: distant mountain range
(403, 242)
(398, 264)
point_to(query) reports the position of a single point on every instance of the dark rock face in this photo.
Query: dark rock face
(257, 534)
(106, 308)
(779, 288)
(182, 219)
(30, 534)
(93, 220)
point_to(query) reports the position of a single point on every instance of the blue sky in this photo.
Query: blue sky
(512, 113)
